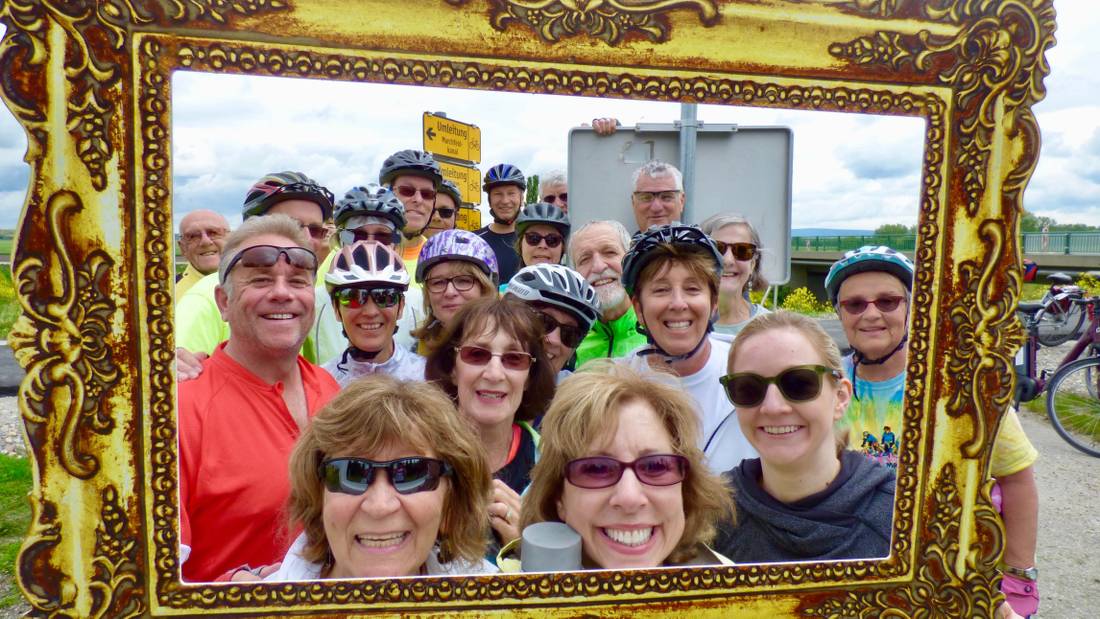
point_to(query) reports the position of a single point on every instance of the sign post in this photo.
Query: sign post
(457, 147)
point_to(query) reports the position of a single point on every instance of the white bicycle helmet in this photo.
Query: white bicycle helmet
(557, 286)
(367, 264)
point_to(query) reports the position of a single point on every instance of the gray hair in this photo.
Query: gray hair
(657, 168)
(553, 177)
(620, 230)
(714, 223)
(275, 224)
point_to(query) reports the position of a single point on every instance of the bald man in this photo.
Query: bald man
(202, 235)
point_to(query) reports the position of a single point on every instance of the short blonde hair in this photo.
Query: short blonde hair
(578, 420)
(431, 329)
(371, 414)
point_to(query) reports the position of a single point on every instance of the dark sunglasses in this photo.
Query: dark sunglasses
(407, 192)
(317, 231)
(604, 472)
(264, 256)
(797, 384)
(884, 305)
(462, 283)
(549, 198)
(407, 475)
(445, 213)
(349, 237)
(534, 238)
(570, 336)
(512, 360)
(741, 251)
(354, 298)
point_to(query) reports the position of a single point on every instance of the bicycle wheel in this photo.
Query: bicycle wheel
(1057, 325)
(1073, 404)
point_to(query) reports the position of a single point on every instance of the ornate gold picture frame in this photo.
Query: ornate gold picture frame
(91, 85)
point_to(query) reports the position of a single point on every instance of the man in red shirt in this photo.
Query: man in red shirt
(240, 418)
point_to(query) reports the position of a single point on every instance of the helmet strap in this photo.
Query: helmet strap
(859, 358)
(503, 222)
(655, 348)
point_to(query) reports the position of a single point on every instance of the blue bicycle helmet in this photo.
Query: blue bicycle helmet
(504, 174)
(868, 258)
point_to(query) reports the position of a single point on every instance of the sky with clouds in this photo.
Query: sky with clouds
(850, 172)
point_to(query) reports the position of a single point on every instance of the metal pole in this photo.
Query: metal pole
(688, 128)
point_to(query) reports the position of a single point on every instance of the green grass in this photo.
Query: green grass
(15, 518)
(9, 307)
(1076, 412)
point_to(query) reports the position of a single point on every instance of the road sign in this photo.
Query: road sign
(453, 139)
(468, 179)
(468, 219)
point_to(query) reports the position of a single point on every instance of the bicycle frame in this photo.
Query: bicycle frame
(1029, 384)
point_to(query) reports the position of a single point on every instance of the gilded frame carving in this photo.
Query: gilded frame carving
(90, 84)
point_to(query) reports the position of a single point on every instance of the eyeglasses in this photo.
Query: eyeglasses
(885, 305)
(512, 360)
(649, 196)
(534, 238)
(549, 198)
(407, 475)
(264, 256)
(741, 251)
(462, 283)
(406, 191)
(603, 472)
(445, 213)
(348, 237)
(800, 383)
(354, 298)
(570, 336)
(317, 231)
(214, 234)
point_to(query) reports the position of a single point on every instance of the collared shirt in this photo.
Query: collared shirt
(188, 278)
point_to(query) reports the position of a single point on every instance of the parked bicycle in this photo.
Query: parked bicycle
(1073, 389)
(1062, 319)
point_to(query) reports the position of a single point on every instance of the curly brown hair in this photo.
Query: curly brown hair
(371, 414)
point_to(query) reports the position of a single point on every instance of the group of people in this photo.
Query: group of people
(366, 391)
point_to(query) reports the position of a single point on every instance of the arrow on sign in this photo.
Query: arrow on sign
(430, 133)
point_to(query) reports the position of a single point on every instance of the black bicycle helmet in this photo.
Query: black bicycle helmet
(543, 213)
(645, 246)
(451, 189)
(282, 186)
(504, 174)
(371, 201)
(560, 287)
(414, 162)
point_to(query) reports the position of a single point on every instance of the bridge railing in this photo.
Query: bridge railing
(1078, 243)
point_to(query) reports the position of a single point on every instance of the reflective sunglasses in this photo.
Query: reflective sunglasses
(264, 256)
(649, 196)
(552, 239)
(570, 336)
(741, 251)
(349, 237)
(549, 198)
(511, 360)
(445, 213)
(354, 298)
(462, 283)
(885, 305)
(604, 472)
(407, 475)
(406, 191)
(800, 383)
(214, 234)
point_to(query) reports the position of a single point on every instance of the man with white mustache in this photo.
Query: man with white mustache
(596, 252)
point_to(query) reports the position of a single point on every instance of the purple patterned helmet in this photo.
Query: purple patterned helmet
(457, 245)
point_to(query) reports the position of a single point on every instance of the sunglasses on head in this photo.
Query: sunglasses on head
(604, 472)
(264, 256)
(354, 298)
(445, 213)
(407, 475)
(511, 360)
(349, 237)
(406, 191)
(800, 383)
(534, 238)
(549, 198)
(570, 336)
(741, 251)
(462, 283)
(884, 305)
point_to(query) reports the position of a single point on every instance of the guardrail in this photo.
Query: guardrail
(1067, 243)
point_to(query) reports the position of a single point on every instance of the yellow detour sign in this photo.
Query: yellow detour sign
(468, 219)
(468, 179)
(452, 139)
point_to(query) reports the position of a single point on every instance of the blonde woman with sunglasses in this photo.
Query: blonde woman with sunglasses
(739, 244)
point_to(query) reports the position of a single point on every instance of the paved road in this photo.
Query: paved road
(10, 372)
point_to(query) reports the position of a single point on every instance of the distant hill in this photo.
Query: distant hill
(829, 232)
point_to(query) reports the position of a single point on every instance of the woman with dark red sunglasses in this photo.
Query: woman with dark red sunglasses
(806, 498)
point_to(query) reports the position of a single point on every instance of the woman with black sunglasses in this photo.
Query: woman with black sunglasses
(492, 362)
(620, 465)
(739, 243)
(386, 481)
(806, 498)
(542, 231)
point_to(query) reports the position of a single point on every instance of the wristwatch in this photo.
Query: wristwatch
(1027, 573)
